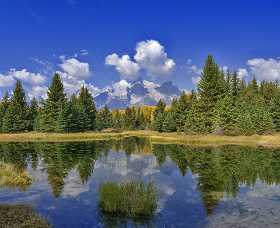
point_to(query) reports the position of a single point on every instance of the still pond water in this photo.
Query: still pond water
(228, 186)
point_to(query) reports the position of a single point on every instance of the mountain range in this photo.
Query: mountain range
(141, 92)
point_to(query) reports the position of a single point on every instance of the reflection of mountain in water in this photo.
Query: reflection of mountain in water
(219, 171)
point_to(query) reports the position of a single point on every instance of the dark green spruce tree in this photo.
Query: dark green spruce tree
(180, 108)
(158, 115)
(169, 122)
(275, 111)
(15, 119)
(211, 88)
(86, 108)
(56, 99)
(32, 114)
(3, 108)
(104, 119)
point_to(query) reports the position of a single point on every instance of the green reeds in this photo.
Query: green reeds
(131, 199)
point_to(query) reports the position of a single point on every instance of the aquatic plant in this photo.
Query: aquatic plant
(13, 177)
(131, 199)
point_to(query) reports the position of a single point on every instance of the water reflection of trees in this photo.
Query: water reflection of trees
(114, 222)
(222, 170)
(60, 158)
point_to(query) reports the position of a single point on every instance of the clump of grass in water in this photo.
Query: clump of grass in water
(13, 177)
(131, 199)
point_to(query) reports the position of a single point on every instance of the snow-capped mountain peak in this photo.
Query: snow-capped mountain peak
(141, 92)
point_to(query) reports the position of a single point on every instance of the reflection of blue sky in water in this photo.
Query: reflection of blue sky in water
(180, 203)
(257, 206)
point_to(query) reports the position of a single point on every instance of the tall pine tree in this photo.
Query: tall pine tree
(87, 110)
(15, 119)
(56, 98)
(158, 116)
(211, 88)
(3, 108)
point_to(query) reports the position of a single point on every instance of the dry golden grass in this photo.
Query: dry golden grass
(13, 177)
(155, 137)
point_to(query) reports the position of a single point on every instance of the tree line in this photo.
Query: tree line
(223, 104)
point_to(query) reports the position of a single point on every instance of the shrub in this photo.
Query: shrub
(132, 199)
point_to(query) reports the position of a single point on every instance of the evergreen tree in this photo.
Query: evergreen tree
(52, 106)
(169, 124)
(140, 122)
(104, 119)
(74, 115)
(275, 111)
(180, 109)
(15, 119)
(8, 120)
(269, 90)
(235, 87)
(3, 108)
(226, 116)
(253, 116)
(158, 116)
(64, 118)
(194, 119)
(32, 114)
(158, 122)
(87, 110)
(211, 88)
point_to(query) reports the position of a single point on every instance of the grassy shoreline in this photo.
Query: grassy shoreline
(155, 137)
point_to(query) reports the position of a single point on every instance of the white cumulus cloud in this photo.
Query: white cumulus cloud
(265, 69)
(120, 88)
(28, 77)
(242, 73)
(74, 74)
(150, 57)
(8, 79)
(38, 91)
(124, 65)
(194, 71)
(74, 68)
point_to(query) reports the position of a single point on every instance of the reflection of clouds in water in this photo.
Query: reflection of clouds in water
(39, 175)
(116, 164)
(34, 192)
(120, 167)
(165, 192)
(73, 186)
(263, 190)
(134, 165)
(254, 207)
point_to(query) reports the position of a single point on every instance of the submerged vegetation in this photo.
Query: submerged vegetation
(130, 199)
(14, 177)
(223, 104)
(16, 216)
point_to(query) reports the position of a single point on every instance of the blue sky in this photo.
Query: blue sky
(161, 40)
